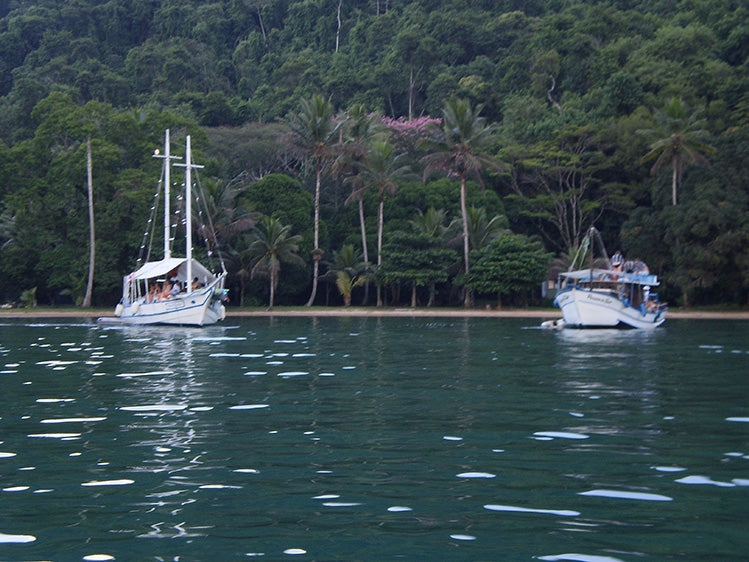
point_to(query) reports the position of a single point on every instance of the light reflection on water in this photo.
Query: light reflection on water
(370, 439)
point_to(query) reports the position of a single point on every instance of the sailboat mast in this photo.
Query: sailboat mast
(188, 212)
(167, 180)
(188, 208)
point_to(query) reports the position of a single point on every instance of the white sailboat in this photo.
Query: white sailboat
(174, 290)
(608, 297)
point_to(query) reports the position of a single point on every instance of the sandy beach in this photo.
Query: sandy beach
(370, 312)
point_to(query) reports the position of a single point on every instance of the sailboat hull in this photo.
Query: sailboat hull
(199, 308)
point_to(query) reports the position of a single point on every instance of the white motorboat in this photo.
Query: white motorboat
(609, 297)
(173, 290)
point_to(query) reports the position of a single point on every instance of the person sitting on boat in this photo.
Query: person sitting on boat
(175, 289)
(617, 260)
(152, 293)
(650, 304)
(157, 289)
(196, 284)
(640, 267)
(167, 291)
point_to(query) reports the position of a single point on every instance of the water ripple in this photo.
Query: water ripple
(512, 508)
(476, 475)
(580, 558)
(120, 482)
(16, 538)
(618, 494)
(705, 480)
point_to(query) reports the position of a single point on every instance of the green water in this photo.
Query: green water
(374, 439)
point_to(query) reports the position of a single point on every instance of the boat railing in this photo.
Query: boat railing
(599, 275)
(640, 278)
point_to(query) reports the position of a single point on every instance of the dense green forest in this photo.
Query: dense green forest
(548, 116)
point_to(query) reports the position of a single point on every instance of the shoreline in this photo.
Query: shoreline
(374, 313)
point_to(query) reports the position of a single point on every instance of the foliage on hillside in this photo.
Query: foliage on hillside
(570, 86)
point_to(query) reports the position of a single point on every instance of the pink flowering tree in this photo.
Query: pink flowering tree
(406, 134)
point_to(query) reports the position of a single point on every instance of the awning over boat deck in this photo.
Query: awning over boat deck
(153, 269)
(601, 274)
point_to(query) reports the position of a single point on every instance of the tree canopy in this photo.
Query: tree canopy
(579, 100)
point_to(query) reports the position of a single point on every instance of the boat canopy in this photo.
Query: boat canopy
(161, 268)
(610, 275)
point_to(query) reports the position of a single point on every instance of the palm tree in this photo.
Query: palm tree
(481, 230)
(348, 271)
(223, 221)
(9, 236)
(346, 285)
(459, 150)
(272, 245)
(219, 214)
(384, 168)
(348, 259)
(361, 129)
(678, 141)
(240, 264)
(432, 223)
(315, 131)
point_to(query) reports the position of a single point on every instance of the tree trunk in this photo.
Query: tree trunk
(464, 211)
(338, 30)
(272, 290)
(675, 164)
(316, 251)
(413, 295)
(380, 209)
(260, 19)
(548, 94)
(411, 95)
(365, 299)
(91, 236)
(365, 250)
(315, 276)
